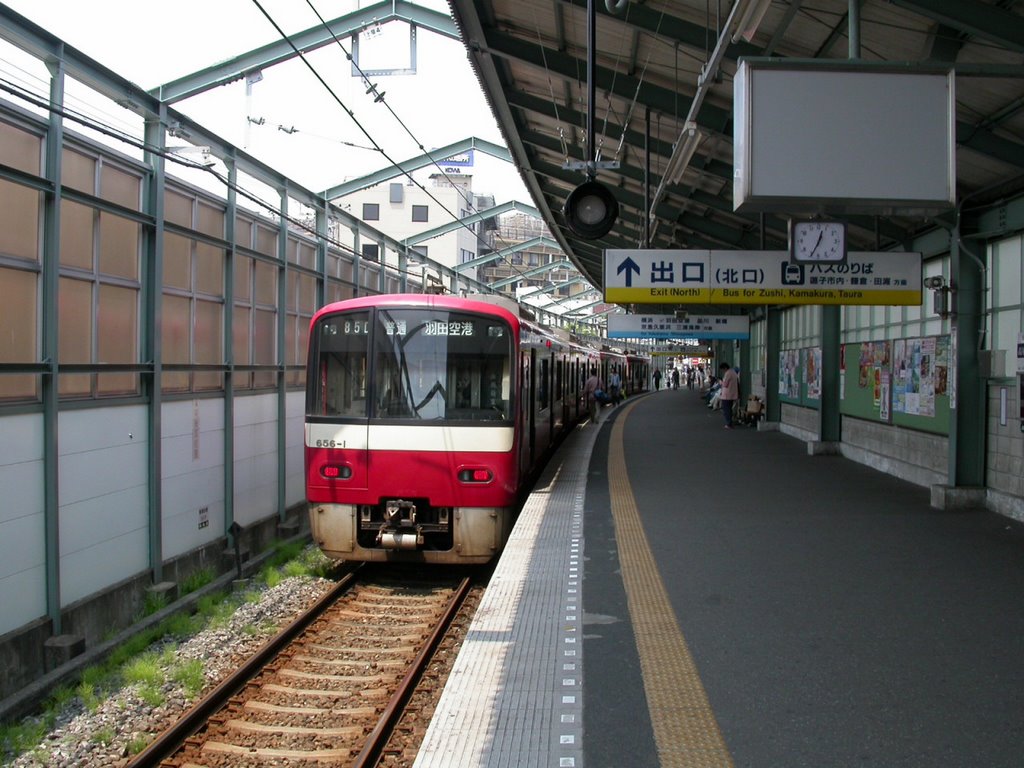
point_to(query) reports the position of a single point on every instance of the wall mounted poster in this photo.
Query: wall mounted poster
(873, 355)
(874, 359)
(886, 391)
(920, 371)
(899, 375)
(951, 355)
(842, 371)
(789, 373)
(905, 382)
(813, 371)
(941, 365)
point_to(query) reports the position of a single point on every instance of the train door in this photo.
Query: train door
(534, 405)
(548, 372)
(570, 385)
(577, 384)
(561, 360)
(525, 425)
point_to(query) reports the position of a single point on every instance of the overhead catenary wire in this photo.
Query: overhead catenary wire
(379, 98)
(503, 245)
(112, 127)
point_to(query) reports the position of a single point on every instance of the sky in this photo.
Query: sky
(314, 137)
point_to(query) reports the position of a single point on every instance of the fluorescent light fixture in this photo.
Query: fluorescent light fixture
(683, 151)
(750, 19)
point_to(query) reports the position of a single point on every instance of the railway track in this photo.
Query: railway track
(328, 689)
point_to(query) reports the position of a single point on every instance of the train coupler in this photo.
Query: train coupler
(392, 539)
(400, 530)
(399, 512)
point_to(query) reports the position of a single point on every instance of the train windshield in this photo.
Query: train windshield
(435, 364)
(427, 364)
(339, 371)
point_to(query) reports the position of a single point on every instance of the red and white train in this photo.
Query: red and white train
(426, 418)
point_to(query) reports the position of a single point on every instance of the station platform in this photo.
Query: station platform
(679, 594)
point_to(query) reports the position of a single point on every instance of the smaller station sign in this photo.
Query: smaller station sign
(670, 327)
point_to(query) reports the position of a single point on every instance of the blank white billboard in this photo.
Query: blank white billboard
(843, 138)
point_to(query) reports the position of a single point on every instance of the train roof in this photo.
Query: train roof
(494, 304)
(441, 301)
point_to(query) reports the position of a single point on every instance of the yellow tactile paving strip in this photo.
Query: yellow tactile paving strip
(685, 730)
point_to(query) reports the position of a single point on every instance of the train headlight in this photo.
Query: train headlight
(336, 471)
(475, 475)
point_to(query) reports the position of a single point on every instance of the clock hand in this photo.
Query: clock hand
(817, 242)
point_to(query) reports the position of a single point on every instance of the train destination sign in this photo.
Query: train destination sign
(670, 327)
(641, 276)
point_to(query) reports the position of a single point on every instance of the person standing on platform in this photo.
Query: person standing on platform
(729, 393)
(657, 378)
(615, 386)
(675, 378)
(591, 388)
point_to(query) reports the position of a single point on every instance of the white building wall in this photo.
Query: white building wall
(22, 556)
(396, 218)
(104, 498)
(104, 495)
(255, 458)
(192, 478)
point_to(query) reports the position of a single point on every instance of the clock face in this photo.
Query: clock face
(823, 241)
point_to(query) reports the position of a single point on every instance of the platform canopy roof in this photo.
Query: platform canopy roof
(653, 59)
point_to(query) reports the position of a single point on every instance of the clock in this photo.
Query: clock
(817, 241)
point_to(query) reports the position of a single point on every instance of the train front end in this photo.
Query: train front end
(410, 429)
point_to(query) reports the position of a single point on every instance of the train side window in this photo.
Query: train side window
(497, 375)
(543, 390)
(525, 393)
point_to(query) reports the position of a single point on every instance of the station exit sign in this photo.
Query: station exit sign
(641, 276)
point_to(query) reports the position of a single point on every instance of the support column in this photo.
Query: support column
(967, 418)
(357, 251)
(282, 356)
(745, 364)
(403, 272)
(772, 345)
(230, 264)
(322, 231)
(51, 347)
(152, 339)
(829, 431)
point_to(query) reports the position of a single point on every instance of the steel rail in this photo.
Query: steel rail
(378, 737)
(170, 740)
